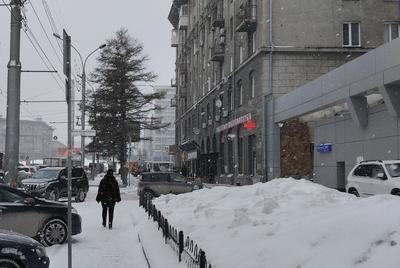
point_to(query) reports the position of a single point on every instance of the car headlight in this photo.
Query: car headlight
(41, 185)
(74, 211)
(41, 252)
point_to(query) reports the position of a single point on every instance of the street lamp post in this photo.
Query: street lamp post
(83, 107)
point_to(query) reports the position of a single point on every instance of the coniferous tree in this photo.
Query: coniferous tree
(117, 108)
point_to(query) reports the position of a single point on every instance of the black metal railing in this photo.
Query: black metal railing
(186, 249)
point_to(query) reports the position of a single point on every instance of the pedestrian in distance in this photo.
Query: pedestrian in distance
(184, 171)
(108, 194)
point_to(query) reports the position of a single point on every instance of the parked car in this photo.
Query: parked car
(154, 184)
(45, 221)
(18, 251)
(374, 177)
(2, 175)
(52, 182)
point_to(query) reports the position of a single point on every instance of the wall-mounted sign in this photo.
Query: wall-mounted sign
(234, 123)
(324, 148)
(192, 155)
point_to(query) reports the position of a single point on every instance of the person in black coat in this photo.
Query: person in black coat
(108, 194)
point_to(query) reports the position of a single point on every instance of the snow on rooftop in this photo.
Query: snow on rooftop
(288, 223)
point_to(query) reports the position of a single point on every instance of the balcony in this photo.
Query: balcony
(173, 82)
(173, 102)
(174, 38)
(246, 18)
(218, 53)
(218, 19)
(182, 89)
(184, 17)
(182, 67)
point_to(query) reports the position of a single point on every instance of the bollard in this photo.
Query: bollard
(159, 220)
(180, 241)
(203, 260)
(166, 230)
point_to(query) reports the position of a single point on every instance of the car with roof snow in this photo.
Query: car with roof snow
(154, 184)
(45, 221)
(51, 183)
(20, 251)
(374, 177)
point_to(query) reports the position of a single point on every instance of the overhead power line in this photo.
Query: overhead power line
(45, 32)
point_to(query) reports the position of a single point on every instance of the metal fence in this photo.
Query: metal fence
(186, 249)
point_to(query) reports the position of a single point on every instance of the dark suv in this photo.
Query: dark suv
(154, 184)
(51, 183)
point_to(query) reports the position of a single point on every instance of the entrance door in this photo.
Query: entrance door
(341, 176)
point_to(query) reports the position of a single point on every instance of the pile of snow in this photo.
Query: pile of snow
(288, 223)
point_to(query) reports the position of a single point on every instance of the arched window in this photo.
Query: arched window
(252, 86)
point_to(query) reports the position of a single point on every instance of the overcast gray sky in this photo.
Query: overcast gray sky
(90, 23)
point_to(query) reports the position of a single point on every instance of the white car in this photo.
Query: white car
(374, 177)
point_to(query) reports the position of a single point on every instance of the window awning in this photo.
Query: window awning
(189, 145)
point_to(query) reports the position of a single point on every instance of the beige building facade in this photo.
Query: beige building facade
(234, 56)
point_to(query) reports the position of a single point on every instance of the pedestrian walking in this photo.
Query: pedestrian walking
(108, 194)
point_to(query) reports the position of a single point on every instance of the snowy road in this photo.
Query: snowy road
(98, 247)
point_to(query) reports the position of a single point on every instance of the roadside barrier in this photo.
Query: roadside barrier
(186, 249)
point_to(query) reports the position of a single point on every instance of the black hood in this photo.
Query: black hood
(36, 181)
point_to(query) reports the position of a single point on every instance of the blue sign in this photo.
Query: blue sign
(324, 148)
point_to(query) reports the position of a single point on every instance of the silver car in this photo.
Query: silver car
(154, 184)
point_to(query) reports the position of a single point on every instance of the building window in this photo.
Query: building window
(231, 27)
(391, 31)
(241, 53)
(351, 34)
(230, 100)
(222, 153)
(240, 93)
(251, 43)
(240, 150)
(252, 158)
(252, 84)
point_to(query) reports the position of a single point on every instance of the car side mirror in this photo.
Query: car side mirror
(381, 176)
(29, 201)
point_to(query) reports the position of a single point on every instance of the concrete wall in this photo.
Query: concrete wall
(379, 140)
(318, 23)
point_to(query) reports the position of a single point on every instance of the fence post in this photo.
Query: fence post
(166, 230)
(203, 260)
(181, 241)
(149, 208)
(159, 219)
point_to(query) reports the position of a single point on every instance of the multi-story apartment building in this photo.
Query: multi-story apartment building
(234, 56)
(156, 149)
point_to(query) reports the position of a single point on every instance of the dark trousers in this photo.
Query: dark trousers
(110, 206)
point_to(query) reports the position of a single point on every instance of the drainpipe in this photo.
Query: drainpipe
(236, 139)
(270, 87)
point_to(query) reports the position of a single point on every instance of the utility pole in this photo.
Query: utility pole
(67, 72)
(83, 111)
(13, 94)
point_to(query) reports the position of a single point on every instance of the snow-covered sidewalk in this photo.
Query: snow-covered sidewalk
(98, 247)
